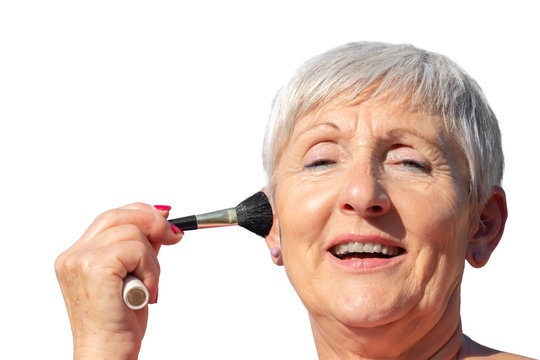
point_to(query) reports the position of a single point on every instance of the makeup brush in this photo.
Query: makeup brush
(254, 214)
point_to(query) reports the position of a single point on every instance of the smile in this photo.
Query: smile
(353, 250)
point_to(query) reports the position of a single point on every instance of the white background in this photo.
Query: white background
(103, 103)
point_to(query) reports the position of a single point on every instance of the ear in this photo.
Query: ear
(486, 236)
(273, 239)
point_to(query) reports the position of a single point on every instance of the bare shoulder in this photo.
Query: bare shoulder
(471, 350)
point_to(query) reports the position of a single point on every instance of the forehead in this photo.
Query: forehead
(374, 117)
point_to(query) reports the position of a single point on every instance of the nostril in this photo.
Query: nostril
(372, 209)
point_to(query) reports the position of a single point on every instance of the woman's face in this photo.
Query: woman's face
(373, 209)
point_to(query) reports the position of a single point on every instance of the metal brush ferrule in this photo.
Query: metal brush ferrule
(226, 217)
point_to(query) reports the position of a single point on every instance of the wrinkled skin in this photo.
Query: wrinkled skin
(378, 172)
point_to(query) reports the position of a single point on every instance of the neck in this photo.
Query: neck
(429, 336)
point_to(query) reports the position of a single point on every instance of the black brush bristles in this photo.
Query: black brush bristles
(255, 214)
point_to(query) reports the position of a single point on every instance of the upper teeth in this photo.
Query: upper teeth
(364, 247)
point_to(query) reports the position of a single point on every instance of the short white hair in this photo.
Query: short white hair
(424, 80)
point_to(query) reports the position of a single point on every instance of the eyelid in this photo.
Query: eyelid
(321, 154)
(403, 151)
(400, 153)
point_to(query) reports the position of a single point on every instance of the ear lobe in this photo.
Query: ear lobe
(273, 239)
(489, 232)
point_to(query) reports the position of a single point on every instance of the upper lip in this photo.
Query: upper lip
(375, 239)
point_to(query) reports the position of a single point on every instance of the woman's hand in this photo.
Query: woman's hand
(91, 272)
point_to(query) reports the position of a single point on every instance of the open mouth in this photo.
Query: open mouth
(365, 250)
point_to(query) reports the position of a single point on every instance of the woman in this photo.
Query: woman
(384, 165)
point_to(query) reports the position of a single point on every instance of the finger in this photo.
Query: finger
(121, 258)
(143, 263)
(119, 233)
(124, 233)
(162, 209)
(150, 222)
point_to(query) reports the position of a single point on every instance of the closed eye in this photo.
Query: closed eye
(407, 158)
(414, 165)
(322, 163)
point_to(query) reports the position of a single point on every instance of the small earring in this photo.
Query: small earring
(478, 258)
(276, 252)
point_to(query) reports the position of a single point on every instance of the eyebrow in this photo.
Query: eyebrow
(401, 131)
(309, 128)
(394, 132)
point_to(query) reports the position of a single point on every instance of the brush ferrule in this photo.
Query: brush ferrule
(226, 217)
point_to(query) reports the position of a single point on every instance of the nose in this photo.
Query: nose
(364, 194)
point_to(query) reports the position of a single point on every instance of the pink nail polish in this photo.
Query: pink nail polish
(176, 229)
(163, 207)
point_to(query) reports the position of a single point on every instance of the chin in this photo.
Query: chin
(366, 308)
(366, 314)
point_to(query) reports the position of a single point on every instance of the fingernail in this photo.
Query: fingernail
(163, 207)
(176, 229)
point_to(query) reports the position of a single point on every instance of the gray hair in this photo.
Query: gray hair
(427, 81)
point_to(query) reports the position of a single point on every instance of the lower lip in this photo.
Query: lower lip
(368, 264)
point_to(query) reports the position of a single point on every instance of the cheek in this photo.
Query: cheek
(433, 212)
(302, 212)
(437, 228)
